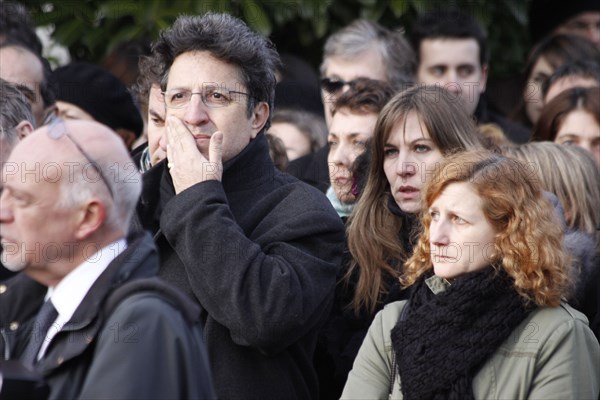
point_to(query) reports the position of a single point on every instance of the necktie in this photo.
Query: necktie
(43, 322)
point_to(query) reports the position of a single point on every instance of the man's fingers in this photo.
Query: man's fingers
(214, 168)
(215, 147)
(177, 133)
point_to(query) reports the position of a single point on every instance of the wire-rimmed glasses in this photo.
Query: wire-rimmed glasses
(212, 96)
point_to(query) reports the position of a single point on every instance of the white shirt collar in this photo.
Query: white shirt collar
(70, 291)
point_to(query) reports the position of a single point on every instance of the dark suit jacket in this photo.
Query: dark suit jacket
(146, 345)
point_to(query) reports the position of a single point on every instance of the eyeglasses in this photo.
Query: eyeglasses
(57, 129)
(212, 97)
(334, 85)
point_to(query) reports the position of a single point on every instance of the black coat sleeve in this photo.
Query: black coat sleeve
(270, 282)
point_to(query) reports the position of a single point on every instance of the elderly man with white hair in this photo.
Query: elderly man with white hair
(85, 313)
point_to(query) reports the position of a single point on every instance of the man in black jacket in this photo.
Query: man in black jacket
(256, 248)
(83, 313)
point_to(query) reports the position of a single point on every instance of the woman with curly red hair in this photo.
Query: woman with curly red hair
(485, 317)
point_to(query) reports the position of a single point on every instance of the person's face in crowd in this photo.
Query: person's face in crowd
(156, 125)
(36, 229)
(586, 24)
(567, 83)
(410, 155)
(580, 128)
(67, 110)
(21, 66)
(368, 64)
(295, 142)
(453, 64)
(532, 94)
(348, 135)
(197, 71)
(461, 237)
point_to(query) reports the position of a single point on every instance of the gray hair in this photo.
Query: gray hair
(14, 108)
(310, 125)
(125, 183)
(362, 35)
(228, 39)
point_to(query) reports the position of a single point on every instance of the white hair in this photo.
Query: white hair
(125, 182)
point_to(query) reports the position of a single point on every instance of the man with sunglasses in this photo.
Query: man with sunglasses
(87, 314)
(363, 49)
(257, 249)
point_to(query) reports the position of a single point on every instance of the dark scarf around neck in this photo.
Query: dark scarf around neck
(447, 337)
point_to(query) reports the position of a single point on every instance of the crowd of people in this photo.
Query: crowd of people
(235, 226)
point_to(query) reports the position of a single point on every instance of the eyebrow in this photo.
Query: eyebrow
(350, 135)
(411, 143)
(155, 114)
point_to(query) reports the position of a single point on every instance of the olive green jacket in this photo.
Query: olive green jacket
(552, 354)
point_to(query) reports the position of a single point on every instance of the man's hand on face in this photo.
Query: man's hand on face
(186, 164)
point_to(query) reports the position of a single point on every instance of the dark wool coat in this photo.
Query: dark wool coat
(147, 345)
(259, 251)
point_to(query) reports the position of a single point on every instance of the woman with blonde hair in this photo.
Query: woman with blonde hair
(571, 174)
(485, 317)
(415, 130)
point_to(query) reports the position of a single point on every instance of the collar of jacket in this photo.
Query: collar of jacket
(139, 260)
(437, 284)
(250, 168)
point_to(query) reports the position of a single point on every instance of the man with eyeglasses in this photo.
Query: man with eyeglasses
(87, 315)
(257, 249)
(363, 49)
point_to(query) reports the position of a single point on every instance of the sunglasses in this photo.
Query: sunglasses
(334, 85)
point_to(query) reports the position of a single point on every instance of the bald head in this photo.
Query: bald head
(88, 160)
(68, 187)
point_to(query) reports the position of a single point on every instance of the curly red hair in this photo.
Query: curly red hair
(529, 244)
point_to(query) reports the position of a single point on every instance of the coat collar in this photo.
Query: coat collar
(139, 260)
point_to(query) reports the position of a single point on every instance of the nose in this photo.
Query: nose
(452, 81)
(438, 233)
(406, 167)
(342, 155)
(196, 113)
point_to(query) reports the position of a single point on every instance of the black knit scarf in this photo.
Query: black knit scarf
(446, 338)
